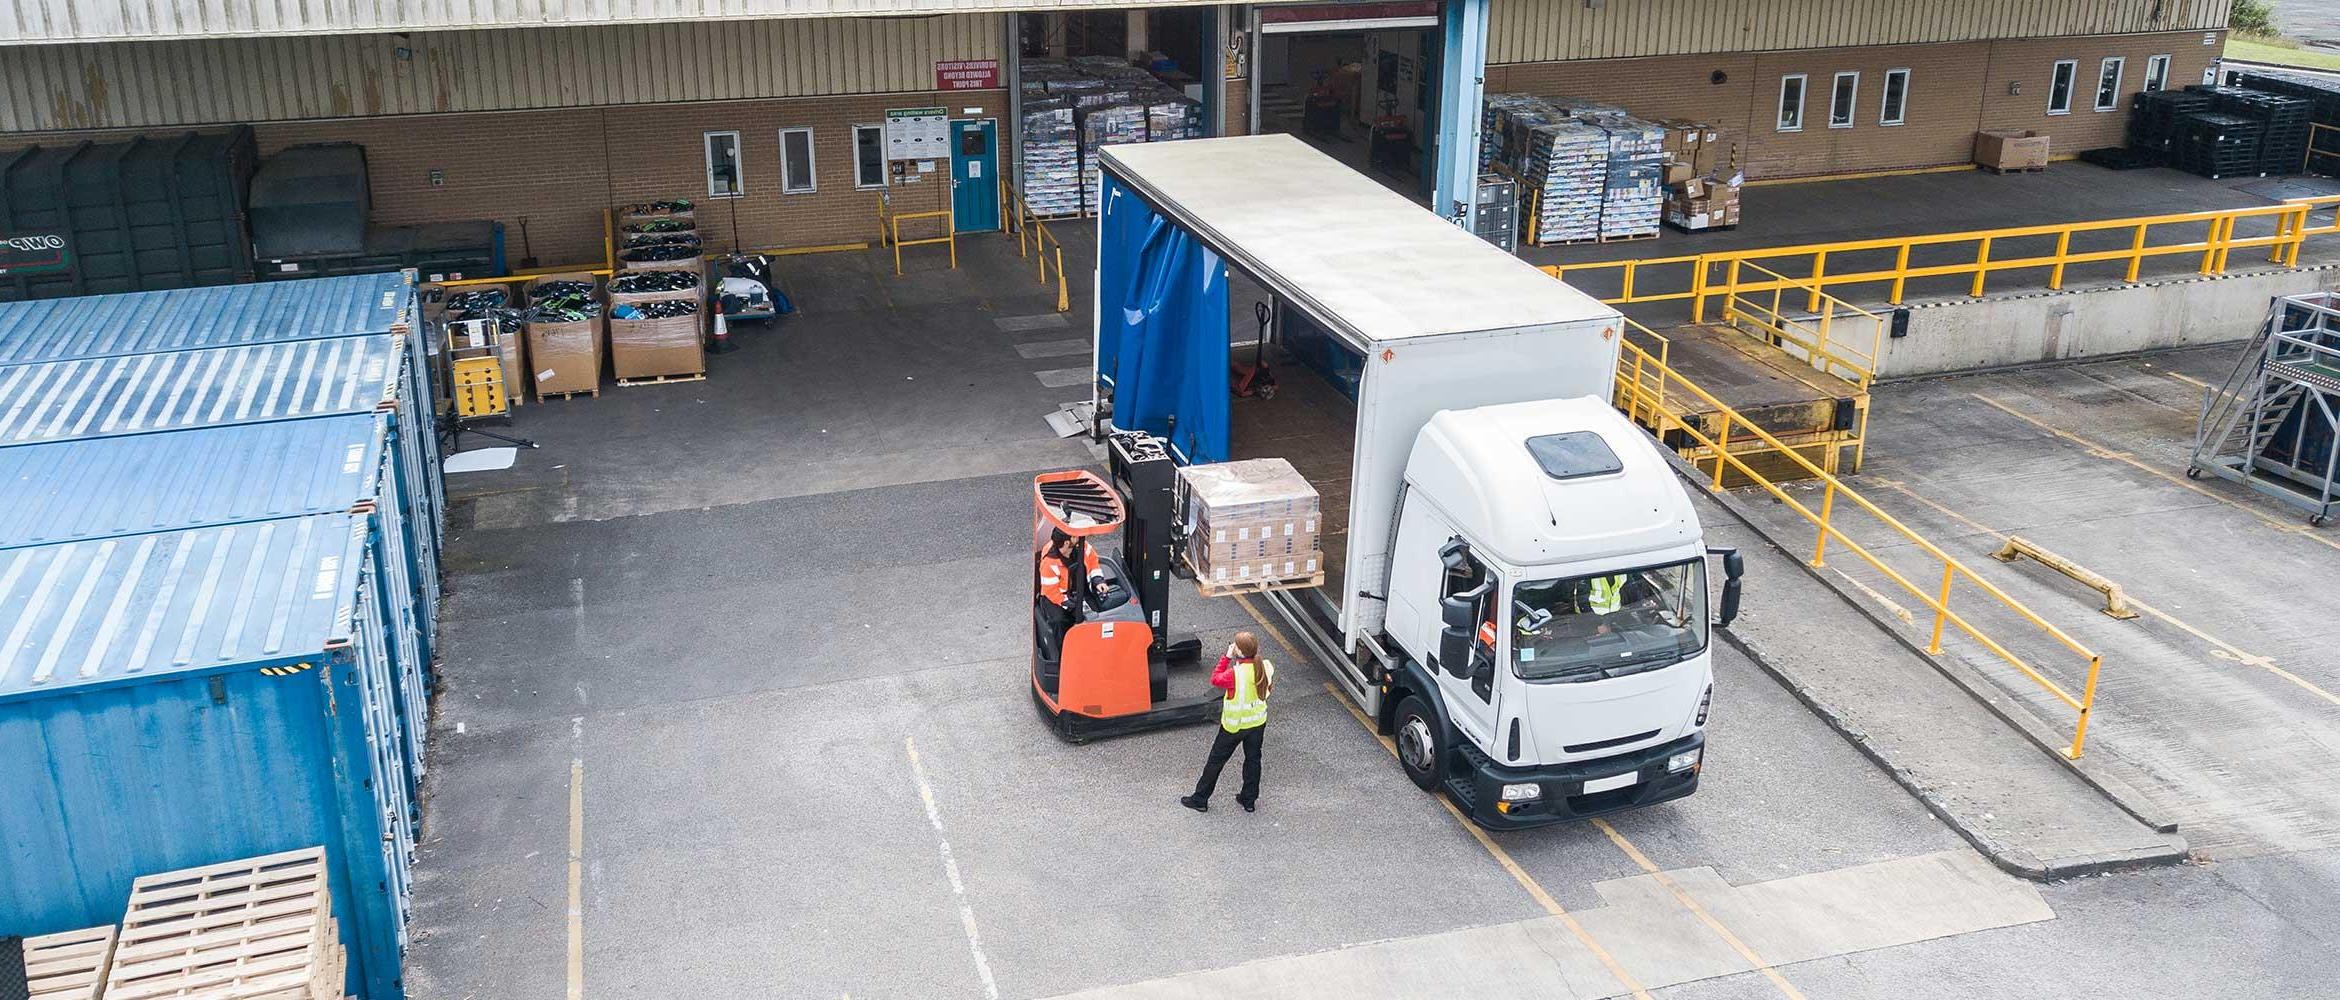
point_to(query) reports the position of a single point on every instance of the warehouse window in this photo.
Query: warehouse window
(2108, 83)
(1896, 101)
(1842, 99)
(2060, 88)
(1791, 103)
(869, 156)
(796, 162)
(2156, 72)
(724, 177)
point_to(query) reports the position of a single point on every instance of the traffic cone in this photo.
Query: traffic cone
(722, 335)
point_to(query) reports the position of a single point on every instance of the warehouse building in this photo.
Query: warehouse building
(775, 113)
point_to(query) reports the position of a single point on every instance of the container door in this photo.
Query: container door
(975, 175)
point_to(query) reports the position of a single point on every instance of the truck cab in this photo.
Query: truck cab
(1547, 629)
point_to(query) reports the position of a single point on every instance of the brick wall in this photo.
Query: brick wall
(1955, 89)
(558, 169)
(1238, 111)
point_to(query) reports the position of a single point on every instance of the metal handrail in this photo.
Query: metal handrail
(2295, 222)
(1817, 339)
(890, 231)
(1636, 370)
(1025, 221)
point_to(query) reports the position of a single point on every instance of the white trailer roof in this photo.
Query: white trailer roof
(1370, 265)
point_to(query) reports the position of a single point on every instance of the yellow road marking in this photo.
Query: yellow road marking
(1785, 988)
(576, 878)
(1535, 890)
(2187, 379)
(2233, 652)
(2102, 451)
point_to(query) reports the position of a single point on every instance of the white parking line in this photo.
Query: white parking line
(951, 868)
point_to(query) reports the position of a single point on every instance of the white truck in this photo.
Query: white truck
(1516, 586)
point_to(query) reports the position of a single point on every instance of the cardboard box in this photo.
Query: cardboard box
(566, 356)
(1678, 171)
(2007, 150)
(1263, 570)
(1249, 522)
(645, 348)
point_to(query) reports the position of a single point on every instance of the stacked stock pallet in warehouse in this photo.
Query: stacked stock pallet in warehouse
(221, 496)
(2216, 145)
(2323, 96)
(1074, 108)
(2282, 123)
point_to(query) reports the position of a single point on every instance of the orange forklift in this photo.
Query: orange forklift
(1101, 662)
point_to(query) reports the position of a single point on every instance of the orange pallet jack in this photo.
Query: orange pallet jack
(1103, 668)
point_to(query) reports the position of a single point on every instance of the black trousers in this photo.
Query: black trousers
(1222, 747)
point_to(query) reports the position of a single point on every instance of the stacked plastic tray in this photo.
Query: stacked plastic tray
(2216, 145)
(2323, 97)
(2283, 123)
(2154, 116)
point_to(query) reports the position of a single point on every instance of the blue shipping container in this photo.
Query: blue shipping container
(185, 319)
(184, 698)
(173, 480)
(142, 394)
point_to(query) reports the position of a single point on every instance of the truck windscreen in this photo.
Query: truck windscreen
(1609, 625)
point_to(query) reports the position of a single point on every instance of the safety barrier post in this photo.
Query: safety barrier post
(1722, 449)
(1827, 510)
(1900, 273)
(2210, 246)
(1063, 291)
(1731, 290)
(1698, 290)
(1942, 606)
(609, 239)
(2225, 244)
(2136, 253)
(1982, 267)
(2063, 248)
(2299, 234)
(1819, 268)
(2087, 705)
(1629, 266)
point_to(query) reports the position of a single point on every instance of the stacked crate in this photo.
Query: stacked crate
(2216, 145)
(69, 965)
(2154, 117)
(257, 929)
(2283, 123)
(2323, 97)
(1250, 525)
(658, 232)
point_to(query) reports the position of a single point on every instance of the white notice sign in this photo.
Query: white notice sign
(918, 133)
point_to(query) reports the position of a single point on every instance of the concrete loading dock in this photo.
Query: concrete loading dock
(723, 633)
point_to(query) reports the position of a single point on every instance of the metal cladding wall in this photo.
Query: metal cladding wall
(184, 698)
(175, 480)
(1522, 31)
(104, 326)
(151, 84)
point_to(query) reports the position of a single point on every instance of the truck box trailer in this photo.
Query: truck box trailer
(1516, 585)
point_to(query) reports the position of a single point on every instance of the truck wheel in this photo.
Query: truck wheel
(1421, 748)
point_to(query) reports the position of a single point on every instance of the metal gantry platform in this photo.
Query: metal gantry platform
(2274, 424)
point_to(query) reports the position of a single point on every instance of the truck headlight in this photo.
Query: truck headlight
(1522, 793)
(1678, 763)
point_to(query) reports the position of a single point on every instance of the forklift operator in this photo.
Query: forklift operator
(1056, 583)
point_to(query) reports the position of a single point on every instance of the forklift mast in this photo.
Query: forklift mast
(1147, 478)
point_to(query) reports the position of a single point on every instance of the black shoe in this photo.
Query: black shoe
(1198, 805)
(1248, 806)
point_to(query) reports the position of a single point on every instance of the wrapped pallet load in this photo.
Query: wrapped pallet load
(1250, 525)
(656, 317)
(564, 320)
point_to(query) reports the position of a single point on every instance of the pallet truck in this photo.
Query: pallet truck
(1106, 672)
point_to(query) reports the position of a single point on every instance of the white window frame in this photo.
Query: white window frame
(812, 161)
(738, 161)
(883, 177)
(1885, 95)
(1852, 101)
(2157, 72)
(1803, 100)
(2069, 69)
(2119, 65)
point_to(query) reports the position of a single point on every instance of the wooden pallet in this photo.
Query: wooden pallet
(1629, 238)
(546, 397)
(662, 379)
(1565, 243)
(1210, 589)
(69, 965)
(255, 929)
(2009, 170)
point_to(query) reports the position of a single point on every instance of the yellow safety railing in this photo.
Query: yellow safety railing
(1836, 336)
(1032, 233)
(890, 231)
(2212, 236)
(1646, 385)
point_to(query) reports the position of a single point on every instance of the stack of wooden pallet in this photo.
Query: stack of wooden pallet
(257, 929)
(70, 965)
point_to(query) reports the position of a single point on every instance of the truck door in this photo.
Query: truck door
(1469, 688)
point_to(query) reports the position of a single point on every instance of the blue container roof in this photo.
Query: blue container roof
(184, 319)
(104, 397)
(124, 610)
(70, 490)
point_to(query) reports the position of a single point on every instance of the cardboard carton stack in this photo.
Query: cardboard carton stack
(1702, 187)
(1633, 177)
(1590, 170)
(1250, 525)
(1074, 108)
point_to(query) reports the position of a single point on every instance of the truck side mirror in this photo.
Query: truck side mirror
(1733, 567)
(1454, 650)
(1455, 555)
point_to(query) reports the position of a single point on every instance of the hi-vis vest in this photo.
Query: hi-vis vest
(1608, 594)
(1244, 708)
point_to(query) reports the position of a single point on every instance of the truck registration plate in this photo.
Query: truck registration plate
(1612, 781)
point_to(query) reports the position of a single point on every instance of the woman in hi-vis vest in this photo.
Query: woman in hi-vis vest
(1247, 679)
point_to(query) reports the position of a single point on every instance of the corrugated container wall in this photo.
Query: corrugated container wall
(1521, 31)
(185, 698)
(151, 84)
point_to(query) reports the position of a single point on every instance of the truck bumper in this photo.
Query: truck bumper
(1479, 790)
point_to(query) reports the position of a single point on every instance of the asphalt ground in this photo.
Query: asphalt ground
(735, 707)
